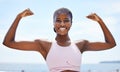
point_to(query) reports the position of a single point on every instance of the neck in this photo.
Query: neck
(62, 38)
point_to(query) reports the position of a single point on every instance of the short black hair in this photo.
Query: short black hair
(63, 10)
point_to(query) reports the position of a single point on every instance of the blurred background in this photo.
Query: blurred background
(40, 26)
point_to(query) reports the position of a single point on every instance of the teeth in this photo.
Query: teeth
(62, 29)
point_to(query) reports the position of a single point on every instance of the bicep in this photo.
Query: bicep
(24, 45)
(96, 46)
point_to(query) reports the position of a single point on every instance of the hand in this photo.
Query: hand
(25, 13)
(94, 17)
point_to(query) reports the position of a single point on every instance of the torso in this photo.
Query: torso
(47, 45)
(68, 57)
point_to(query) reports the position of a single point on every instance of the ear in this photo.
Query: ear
(54, 29)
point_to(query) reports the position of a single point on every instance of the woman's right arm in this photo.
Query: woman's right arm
(9, 39)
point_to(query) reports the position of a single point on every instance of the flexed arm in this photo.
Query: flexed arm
(9, 39)
(96, 46)
(109, 39)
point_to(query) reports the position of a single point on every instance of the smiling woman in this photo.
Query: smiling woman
(61, 55)
(62, 17)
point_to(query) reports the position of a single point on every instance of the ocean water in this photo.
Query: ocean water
(16, 67)
(103, 67)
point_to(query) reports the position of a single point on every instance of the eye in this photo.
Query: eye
(66, 20)
(59, 21)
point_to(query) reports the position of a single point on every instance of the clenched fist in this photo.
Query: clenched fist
(25, 13)
(94, 16)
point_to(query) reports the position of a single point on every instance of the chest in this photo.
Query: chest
(64, 56)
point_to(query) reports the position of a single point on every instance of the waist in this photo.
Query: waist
(69, 71)
(65, 69)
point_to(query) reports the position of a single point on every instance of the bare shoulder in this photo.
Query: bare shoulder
(81, 44)
(44, 43)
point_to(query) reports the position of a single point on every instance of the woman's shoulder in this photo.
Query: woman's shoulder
(45, 43)
(81, 44)
(80, 41)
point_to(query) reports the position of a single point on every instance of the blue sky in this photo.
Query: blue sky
(40, 26)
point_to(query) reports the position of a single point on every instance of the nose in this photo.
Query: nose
(62, 23)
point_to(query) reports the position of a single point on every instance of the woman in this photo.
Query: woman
(61, 55)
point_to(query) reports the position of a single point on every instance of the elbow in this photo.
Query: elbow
(112, 45)
(6, 43)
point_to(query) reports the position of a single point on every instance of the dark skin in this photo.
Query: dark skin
(62, 25)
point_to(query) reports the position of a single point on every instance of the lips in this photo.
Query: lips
(62, 29)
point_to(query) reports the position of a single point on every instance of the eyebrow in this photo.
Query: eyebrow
(64, 18)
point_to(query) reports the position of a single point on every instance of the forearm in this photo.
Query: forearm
(107, 34)
(10, 36)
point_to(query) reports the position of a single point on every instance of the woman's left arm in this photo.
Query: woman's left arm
(109, 39)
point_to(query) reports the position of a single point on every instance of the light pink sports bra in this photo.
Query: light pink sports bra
(62, 58)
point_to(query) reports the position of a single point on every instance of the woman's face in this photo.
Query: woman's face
(62, 24)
